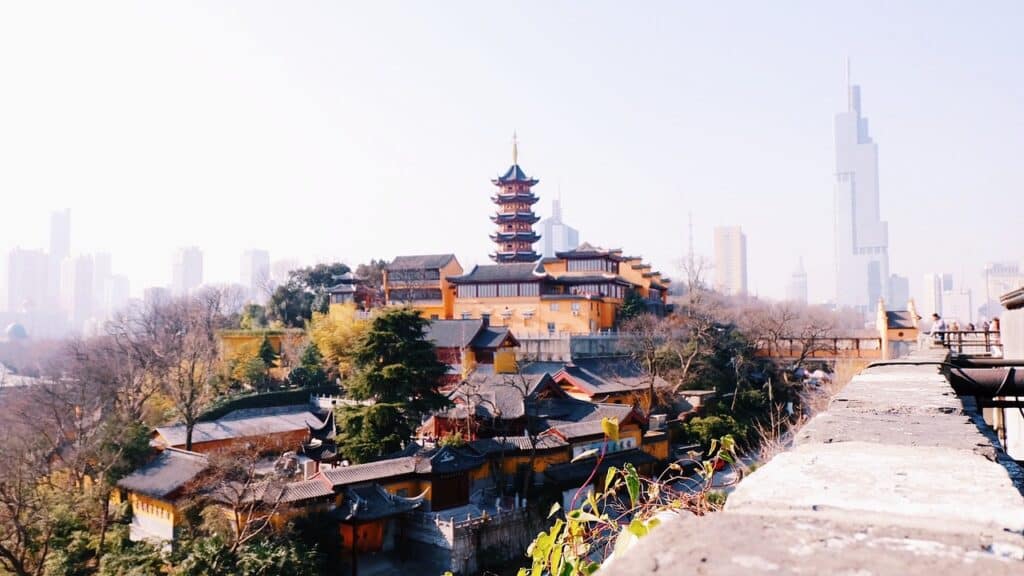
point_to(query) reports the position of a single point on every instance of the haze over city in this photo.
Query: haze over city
(354, 132)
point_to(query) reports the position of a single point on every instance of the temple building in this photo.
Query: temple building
(421, 282)
(578, 291)
(514, 238)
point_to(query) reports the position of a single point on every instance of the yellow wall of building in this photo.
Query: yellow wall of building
(505, 361)
(155, 510)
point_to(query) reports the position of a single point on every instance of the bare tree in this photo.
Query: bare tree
(186, 347)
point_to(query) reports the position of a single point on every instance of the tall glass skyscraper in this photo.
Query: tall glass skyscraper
(862, 238)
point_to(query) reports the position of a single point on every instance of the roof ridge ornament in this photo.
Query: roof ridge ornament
(515, 149)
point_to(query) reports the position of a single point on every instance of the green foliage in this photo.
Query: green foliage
(705, 429)
(398, 369)
(267, 353)
(254, 317)
(453, 439)
(294, 302)
(580, 538)
(212, 556)
(632, 306)
(132, 559)
(265, 400)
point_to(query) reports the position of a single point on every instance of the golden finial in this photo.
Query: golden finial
(515, 149)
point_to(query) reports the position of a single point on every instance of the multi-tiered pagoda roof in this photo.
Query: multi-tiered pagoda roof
(514, 237)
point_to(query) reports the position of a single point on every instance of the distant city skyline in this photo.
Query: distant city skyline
(322, 155)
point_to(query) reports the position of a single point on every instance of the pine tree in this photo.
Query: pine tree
(398, 369)
(267, 353)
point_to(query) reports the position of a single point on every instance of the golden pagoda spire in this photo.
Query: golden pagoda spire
(515, 149)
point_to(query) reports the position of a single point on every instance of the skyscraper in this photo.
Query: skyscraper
(861, 237)
(730, 260)
(255, 271)
(934, 286)
(186, 271)
(557, 236)
(27, 279)
(796, 291)
(76, 286)
(60, 248)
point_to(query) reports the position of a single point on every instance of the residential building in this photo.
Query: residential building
(27, 280)
(254, 273)
(581, 290)
(515, 237)
(60, 248)
(76, 287)
(186, 271)
(422, 282)
(465, 344)
(730, 260)
(556, 235)
(796, 290)
(861, 237)
(899, 291)
(1000, 278)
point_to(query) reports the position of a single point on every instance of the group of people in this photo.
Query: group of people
(939, 326)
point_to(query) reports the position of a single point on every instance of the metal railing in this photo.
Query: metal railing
(820, 347)
(973, 341)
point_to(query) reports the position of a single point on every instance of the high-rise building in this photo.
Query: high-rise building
(60, 248)
(957, 305)
(116, 294)
(899, 292)
(730, 260)
(861, 237)
(935, 285)
(76, 287)
(514, 238)
(796, 290)
(556, 235)
(101, 274)
(1000, 278)
(186, 271)
(27, 280)
(255, 272)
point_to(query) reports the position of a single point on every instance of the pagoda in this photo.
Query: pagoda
(515, 218)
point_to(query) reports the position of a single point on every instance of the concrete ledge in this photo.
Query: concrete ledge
(898, 476)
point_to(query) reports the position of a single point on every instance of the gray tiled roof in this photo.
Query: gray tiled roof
(514, 174)
(453, 333)
(490, 337)
(558, 412)
(899, 319)
(519, 272)
(366, 503)
(420, 262)
(494, 395)
(166, 473)
(610, 375)
(370, 471)
(244, 424)
(516, 443)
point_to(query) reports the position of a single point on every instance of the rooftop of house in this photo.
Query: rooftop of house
(466, 334)
(598, 376)
(900, 319)
(497, 395)
(415, 459)
(243, 424)
(168, 472)
(519, 272)
(420, 262)
(514, 174)
(365, 503)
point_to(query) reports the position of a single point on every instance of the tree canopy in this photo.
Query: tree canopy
(305, 292)
(398, 369)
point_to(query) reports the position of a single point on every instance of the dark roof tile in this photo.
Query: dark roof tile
(421, 262)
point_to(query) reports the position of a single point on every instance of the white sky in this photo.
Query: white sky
(370, 129)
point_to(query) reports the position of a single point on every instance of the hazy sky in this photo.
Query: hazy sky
(371, 129)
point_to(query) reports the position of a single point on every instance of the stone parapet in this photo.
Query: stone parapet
(898, 476)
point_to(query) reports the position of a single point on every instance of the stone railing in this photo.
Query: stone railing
(898, 476)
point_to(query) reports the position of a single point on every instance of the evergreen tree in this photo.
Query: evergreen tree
(267, 353)
(632, 306)
(398, 369)
(310, 371)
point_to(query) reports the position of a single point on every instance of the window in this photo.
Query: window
(467, 315)
(531, 289)
(434, 317)
(507, 290)
(486, 318)
(467, 291)
(487, 290)
(575, 306)
(551, 327)
(554, 306)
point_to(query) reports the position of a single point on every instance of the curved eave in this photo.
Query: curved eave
(528, 198)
